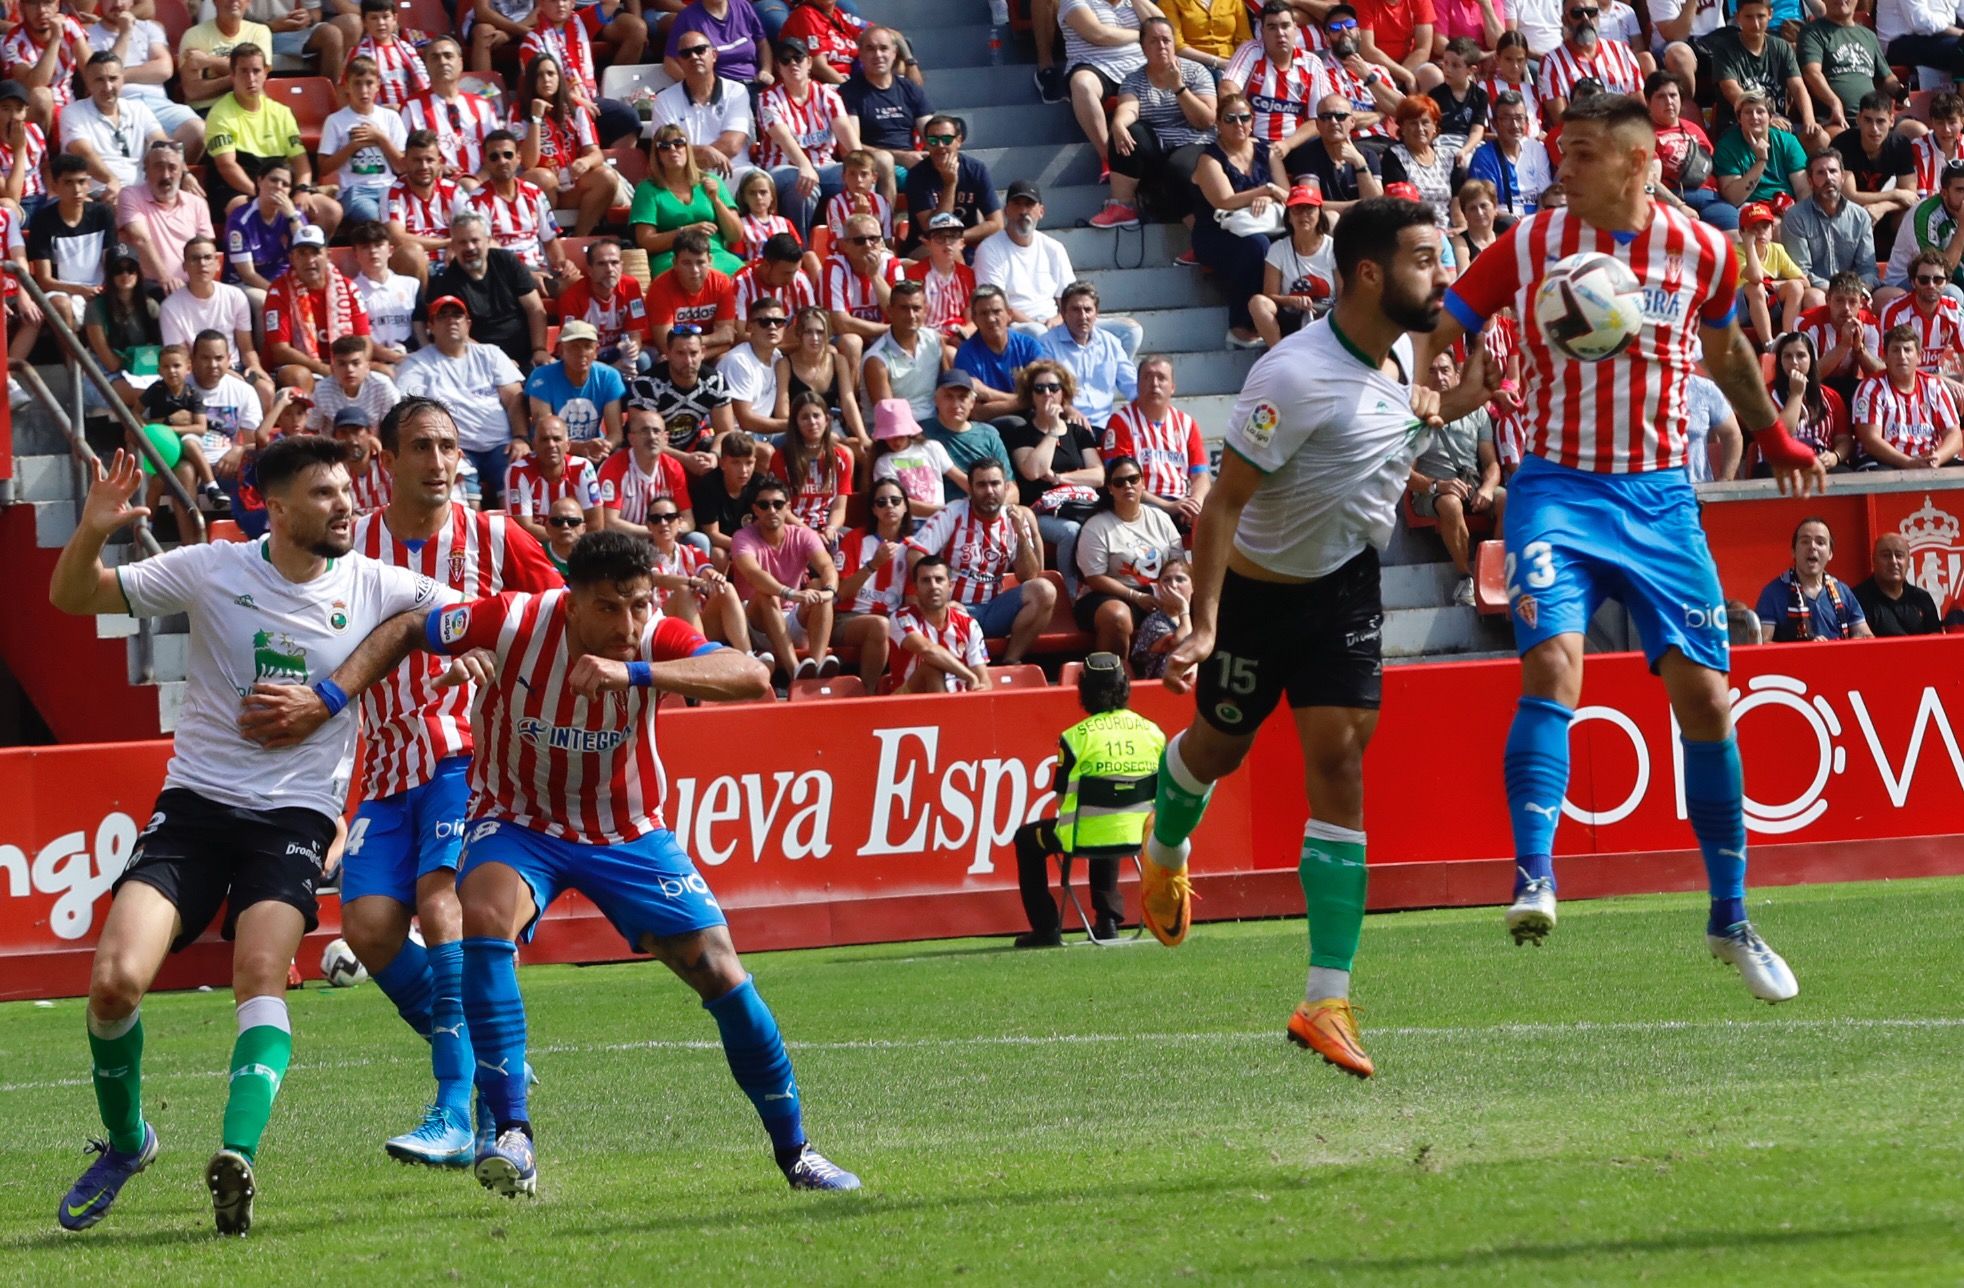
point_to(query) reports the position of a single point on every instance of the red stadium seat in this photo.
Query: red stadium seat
(1414, 521)
(311, 99)
(426, 16)
(1024, 675)
(1067, 674)
(175, 18)
(630, 163)
(1490, 578)
(839, 686)
(224, 530)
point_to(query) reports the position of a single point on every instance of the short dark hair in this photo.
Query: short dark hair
(377, 6)
(1847, 282)
(1658, 80)
(242, 52)
(1103, 684)
(68, 163)
(1876, 101)
(293, 454)
(367, 232)
(769, 483)
(101, 56)
(779, 248)
(412, 405)
(613, 557)
(1273, 7)
(500, 136)
(1371, 229)
(985, 463)
(1812, 518)
(907, 286)
(209, 334)
(598, 242)
(927, 561)
(942, 118)
(1611, 110)
(1082, 287)
(347, 346)
(420, 139)
(694, 241)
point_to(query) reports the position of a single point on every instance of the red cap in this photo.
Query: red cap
(1305, 193)
(441, 302)
(1755, 212)
(1406, 190)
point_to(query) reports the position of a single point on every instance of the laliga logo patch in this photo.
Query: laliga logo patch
(456, 622)
(1527, 610)
(1261, 424)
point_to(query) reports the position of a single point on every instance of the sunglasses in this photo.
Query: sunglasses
(692, 51)
(670, 517)
(671, 143)
(1577, 15)
(1237, 118)
(867, 240)
(888, 502)
(769, 322)
(1047, 387)
(1343, 24)
(770, 505)
(939, 140)
(566, 521)
(1926, 280)
(501, 156)
(1338, 117)
(1128, 480)
(684, 329)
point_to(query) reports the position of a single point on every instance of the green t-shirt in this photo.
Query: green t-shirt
(979, 442)
(1850, 57)
(1766, 72)
(269, 132)
(655, 205)
(1784, 156)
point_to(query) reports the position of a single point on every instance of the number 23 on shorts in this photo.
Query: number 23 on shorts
(1538, 557)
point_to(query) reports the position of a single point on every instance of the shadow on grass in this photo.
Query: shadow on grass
(196, 1233)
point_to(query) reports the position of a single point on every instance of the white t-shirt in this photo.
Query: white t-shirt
(468, 385)
(1334, 438)
(1031, 276)
(1115, 61)
(230, 410)
(1132, 552)
(183, 315)
(748, 379)
(1540, 21)
(118, 144)
(367, 170)
(250, 625)
(377, 394)
(1314, 274)
(390, 305)
(145, 36)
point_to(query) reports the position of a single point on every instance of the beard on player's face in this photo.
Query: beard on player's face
(1412, 306)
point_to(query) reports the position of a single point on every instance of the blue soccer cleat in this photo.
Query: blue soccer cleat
(92, 1196)
(508, 1167)
(443, 1140)
(812, 1170)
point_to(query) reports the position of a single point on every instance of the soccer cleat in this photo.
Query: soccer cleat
(229, 1178)
(1532, 914)
(508, 1167)
(90, 1198)
(441, 1141)
(1329, 1028)
(1116, 214)
(1166, 899)
(1765, 971)
(812, 1170)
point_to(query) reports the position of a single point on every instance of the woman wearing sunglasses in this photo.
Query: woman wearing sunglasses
(1233, 177)
(1119, 557)
(676, 197)
(690, 586)
(1058, 472)
(873, 578)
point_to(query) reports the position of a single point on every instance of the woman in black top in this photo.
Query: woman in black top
(814, 366)
(1233, 176)
(121, 328)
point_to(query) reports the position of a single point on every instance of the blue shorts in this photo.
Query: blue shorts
(999, 614)
(1576, 538)
(399, 839)
(645, 887)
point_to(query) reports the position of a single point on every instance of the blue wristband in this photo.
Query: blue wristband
(641, 675)
(330, 693)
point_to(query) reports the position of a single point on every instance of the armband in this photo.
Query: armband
(640, 675)
(331, 696)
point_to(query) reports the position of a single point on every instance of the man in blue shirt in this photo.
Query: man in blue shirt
(946, 180)
(1806, 602)
(994, 354)
(581, 392)
(1096, 358)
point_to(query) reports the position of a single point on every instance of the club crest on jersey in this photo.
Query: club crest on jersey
(456, 567)
(454, 623)
(1261, 424)
(338, 615)
(551, 737)
(1527, 610)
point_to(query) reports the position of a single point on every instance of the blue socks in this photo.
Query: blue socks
(406, 982)
(1536, 763)
(496, 1016)
(758, 1062)
(450, 1041)
(1714, 791)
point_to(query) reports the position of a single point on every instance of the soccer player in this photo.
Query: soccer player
(1286, 596)
(236, 825)
(1601, 507)
(416, 743)
(566, 793)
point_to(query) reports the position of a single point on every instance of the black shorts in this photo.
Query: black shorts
(1108, 86)
(1320, 642)
(200, 854)
(1088, 604)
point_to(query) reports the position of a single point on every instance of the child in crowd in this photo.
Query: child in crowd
(173, 403)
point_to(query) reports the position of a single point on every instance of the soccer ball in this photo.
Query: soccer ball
(1589, 306)
(340, 967)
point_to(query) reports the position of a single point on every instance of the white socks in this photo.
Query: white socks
(257, 1011)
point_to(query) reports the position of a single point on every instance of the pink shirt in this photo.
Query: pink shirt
(789, 562)
(166, 228)
(1462, 18)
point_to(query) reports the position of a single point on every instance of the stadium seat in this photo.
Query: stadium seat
(630, 163)
(224, 530)
(1023, 675)
(1068, 673)
(343, 258)
(311, 99)
(840, 686)
(426, 16)
(1490, 578)
(821, 240)
(174, 16)
(1414, 521)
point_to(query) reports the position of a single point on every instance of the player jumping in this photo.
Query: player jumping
(236, 825)
(566, 793)
(1601, 507)
(1286, 587)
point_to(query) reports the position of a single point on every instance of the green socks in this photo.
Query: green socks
(259, 1060)
(1334, 879)
(116, 1047)
(1178, 805)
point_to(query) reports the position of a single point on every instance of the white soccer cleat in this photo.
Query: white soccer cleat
(1765, 971)
(1532, 914)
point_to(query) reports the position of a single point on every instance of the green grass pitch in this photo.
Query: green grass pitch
(1610, 1108)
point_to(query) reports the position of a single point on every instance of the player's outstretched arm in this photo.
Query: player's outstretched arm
(81, 585)
(281, 715)
(1734, 365)
(1213, 534)
(717, 675)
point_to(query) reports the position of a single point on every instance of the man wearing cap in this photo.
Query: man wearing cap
(478, 384)
(502, 297)
(965, 441)
(690, 395)
(109, 131)
(692, 291)
(947, 180)
(249, 130)
(1755, 161)
(158, 216)
(308, 308)
(907, 361)
(371, 484)
(1825, 232)
(68, 240)
(1033, 268)
(583, 393)
(947, 282)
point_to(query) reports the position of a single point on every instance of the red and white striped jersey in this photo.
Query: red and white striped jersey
(757, 231)
(750, 287)
(627, 489)
(1931, 160)
(547, 759)
(849, 293)
(845, 205)
(569, 44)
(1912, 422)
(424, 216)
(1359, 94)
(373, 487)
(407, 723)
(521, 223)
(885, 590)
(623, 313)
(980, 552)
(810, 123)
(947, 295)
(1814, 324)
(961, 636)
(812, 496)
(561, 143)
(683, 561)
(1283, 95)
(1169, 451)
(11, 247)
(1625, 414)
(20, 51)
(529, 494)
(34, 150)
(403, 73)
(1614, 67)
(459, 124)
(1941, 331)
(1495, 87)
(1502, 340)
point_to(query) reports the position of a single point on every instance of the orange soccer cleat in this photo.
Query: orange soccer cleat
(1329, 1028)
(1166, 898)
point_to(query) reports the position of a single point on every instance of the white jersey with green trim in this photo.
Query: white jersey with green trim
(1334, 438)
(250, 625)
